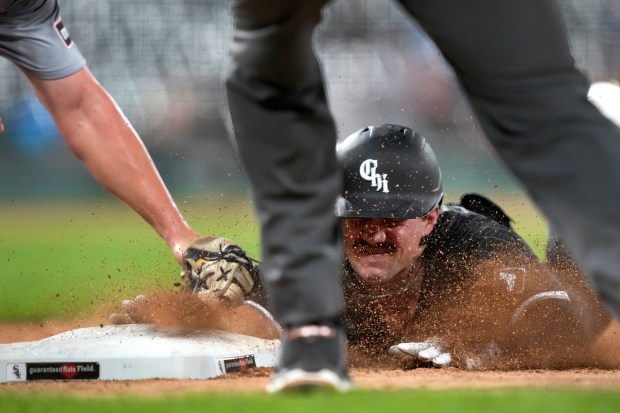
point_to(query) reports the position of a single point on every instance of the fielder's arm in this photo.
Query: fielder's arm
(98, 133)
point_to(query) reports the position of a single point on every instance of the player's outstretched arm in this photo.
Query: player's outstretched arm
(98, 133)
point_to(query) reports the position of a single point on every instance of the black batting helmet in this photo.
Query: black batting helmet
(390, 171)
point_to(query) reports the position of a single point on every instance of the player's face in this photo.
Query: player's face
(380, 249)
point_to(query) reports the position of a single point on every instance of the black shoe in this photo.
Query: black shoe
(311, 356)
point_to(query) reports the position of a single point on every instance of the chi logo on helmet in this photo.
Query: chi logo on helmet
(368, 172)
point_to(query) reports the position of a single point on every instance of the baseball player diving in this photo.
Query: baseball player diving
(443, 284)
(428, 283)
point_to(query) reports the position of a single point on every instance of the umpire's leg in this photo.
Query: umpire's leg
(514, 62)
(286, 139)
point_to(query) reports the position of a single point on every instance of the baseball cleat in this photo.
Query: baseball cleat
(298, 379)
(311, 357)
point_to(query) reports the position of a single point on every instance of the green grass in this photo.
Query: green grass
(462, 401)
(59, 259)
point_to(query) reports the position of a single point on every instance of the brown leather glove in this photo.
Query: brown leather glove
(215, 267)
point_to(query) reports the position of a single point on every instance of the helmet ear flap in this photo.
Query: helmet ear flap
(435, 208)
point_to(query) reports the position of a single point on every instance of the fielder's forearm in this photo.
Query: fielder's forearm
(97, 132)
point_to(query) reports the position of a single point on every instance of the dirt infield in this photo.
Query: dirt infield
(607, 378)
(432, 379)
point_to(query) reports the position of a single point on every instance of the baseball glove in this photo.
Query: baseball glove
(216, 267)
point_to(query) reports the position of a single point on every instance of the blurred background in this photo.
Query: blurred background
(66, 245)
(164, 61)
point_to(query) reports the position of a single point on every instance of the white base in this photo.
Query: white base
(133, 352)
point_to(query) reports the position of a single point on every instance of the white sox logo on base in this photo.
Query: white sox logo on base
(368, 172)
(16, 372)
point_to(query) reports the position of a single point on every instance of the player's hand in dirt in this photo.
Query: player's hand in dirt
(437, 352)
(431, 351)
(129, 312)
(178, 310)
(217, 268)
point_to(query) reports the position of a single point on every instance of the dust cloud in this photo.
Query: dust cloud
(182, 311)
